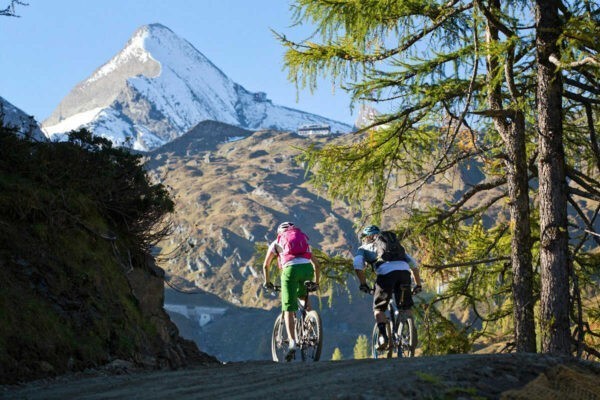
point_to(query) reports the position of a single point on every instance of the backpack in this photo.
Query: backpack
(294, 243)
(388, 248)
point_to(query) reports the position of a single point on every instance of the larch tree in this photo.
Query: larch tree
(361, 348)
(553, 187)
(568, 66)
(337, 355)
(390, 46)
(423, 61)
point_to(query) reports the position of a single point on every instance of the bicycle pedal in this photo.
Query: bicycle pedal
(383, 343)
(291, 354)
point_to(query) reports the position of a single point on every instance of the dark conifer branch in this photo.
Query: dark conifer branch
(495, 22)
(584, 194)
(580, 98)
(509, 73)
(593, 138)
(465, 263)
(584, 218)
(9, 11)
(586, 182)
(422, 180)
(592, 78)
(455, 207)
(581, 85)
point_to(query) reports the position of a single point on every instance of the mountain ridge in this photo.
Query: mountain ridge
(158, 87)
(25, 125)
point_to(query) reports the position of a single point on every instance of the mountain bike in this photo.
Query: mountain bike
(400, 329)
(309, 331)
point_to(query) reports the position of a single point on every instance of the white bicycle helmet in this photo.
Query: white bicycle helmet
(284, 226)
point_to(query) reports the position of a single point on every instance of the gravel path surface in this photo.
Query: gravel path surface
(444, 377)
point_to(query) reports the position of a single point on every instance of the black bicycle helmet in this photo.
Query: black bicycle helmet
(370, 230)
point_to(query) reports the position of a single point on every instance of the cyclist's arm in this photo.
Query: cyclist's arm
(268, 260)
(416, 276)
(361, 276)
(359, 265)
(317, 269)
(414, 268)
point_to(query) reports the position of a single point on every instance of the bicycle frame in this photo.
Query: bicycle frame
(400, 329)
(402, 344)
(308, 330)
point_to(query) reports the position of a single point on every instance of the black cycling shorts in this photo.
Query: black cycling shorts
(393, 282)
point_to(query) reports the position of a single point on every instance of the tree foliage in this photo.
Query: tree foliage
(84, 172)
(457, 86)
(337, 355)
(361, 348)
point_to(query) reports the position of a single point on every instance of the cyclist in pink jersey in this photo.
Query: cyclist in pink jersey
(297, 265)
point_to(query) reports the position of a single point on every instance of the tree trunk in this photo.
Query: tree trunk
(513, 135)
(554, 314)
(518, 191)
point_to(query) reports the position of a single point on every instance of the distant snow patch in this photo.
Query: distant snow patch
(247, 234)
(73, 122)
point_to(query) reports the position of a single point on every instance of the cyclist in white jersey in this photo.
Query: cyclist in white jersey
(391, 276)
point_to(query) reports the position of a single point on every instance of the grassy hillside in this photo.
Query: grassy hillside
(78, 289)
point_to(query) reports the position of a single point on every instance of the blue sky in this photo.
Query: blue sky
(57, 43)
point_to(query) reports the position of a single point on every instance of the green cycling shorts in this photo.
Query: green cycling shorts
(292, 284)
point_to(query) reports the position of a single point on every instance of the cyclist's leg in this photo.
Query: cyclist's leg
(289, 300)
(404, 299)
(384, 286)
(304, 272)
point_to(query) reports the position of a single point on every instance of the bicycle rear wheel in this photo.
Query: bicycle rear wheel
(279, 340)
(312, 337)
(407, 334)
(375, 342)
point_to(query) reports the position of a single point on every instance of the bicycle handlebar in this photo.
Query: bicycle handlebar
(276, 288)
(403, 287)
(309, 285)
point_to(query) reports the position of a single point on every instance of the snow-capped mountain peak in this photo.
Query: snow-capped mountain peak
(133, 50)
(158, 87)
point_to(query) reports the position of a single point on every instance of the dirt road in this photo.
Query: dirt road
(450, 377)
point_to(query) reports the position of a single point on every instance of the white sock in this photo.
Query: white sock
(292, 345)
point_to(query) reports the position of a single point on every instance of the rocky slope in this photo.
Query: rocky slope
(232, 187)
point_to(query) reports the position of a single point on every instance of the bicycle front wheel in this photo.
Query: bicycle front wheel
(386, 353)
(312, 337)
(407, 334)
(279, 340)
